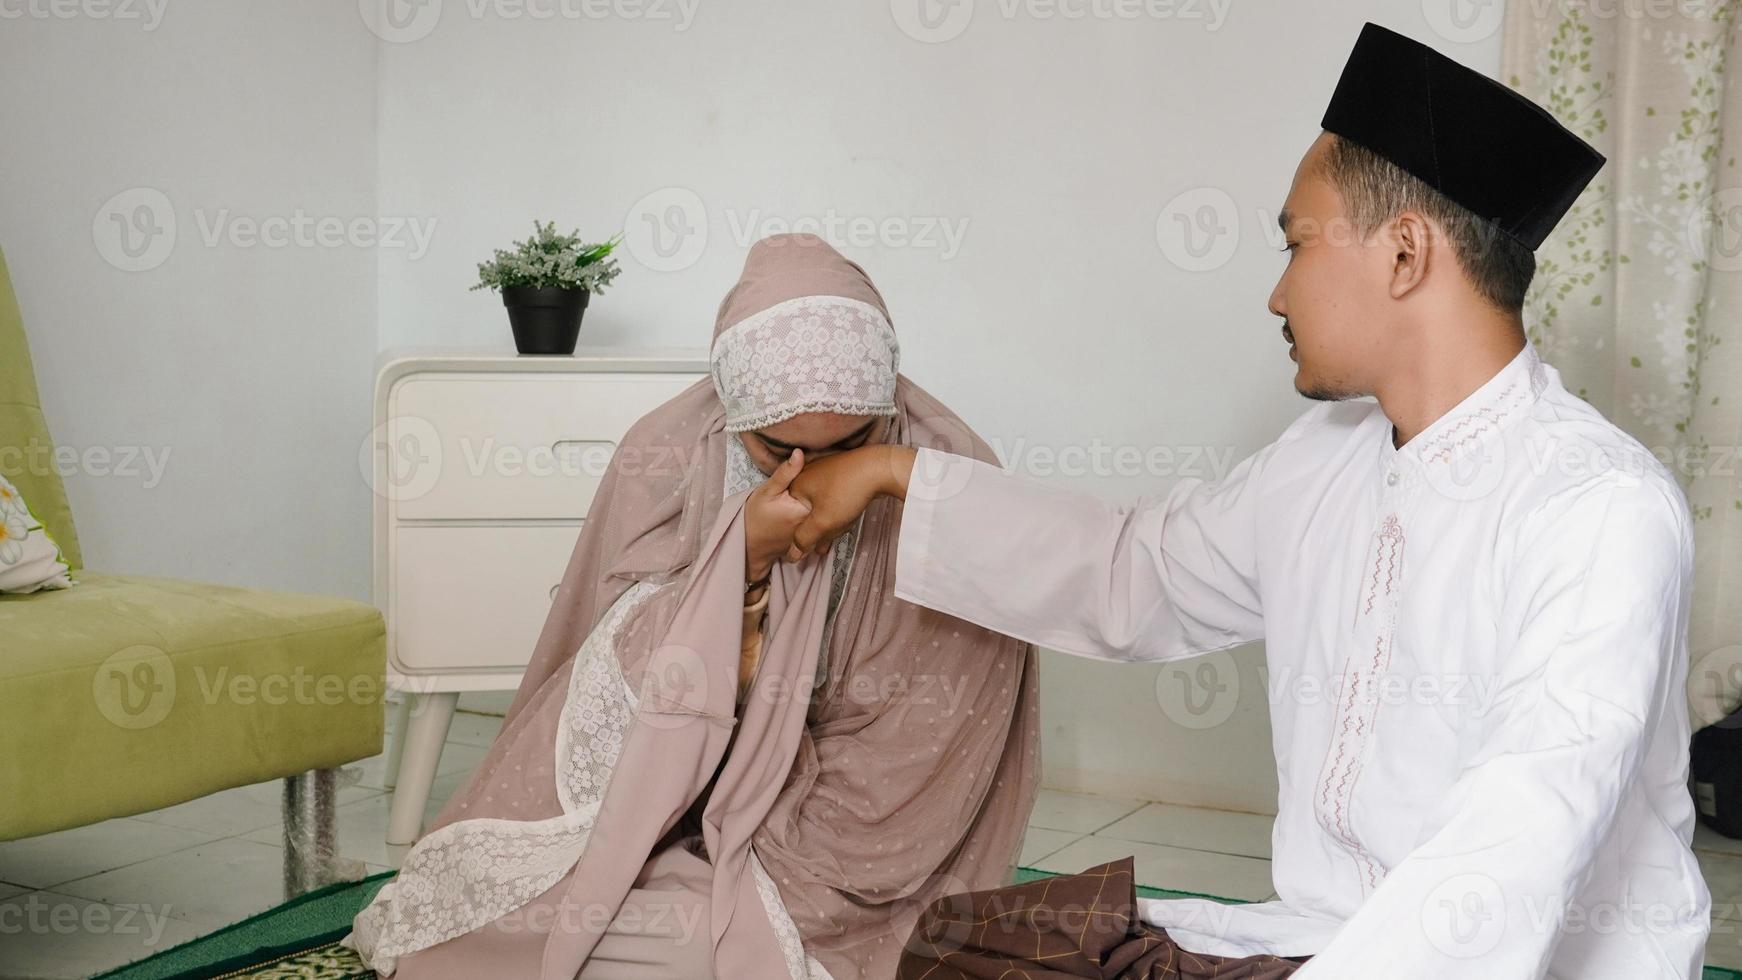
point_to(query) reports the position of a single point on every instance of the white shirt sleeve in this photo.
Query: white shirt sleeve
(1156, 581)
(1596, 608)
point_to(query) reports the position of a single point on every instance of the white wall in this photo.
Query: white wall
(220, 395)
(1055, 148)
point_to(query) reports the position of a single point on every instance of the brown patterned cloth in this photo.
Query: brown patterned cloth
(1071, 926)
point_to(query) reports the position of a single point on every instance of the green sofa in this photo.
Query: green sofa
(125, 694)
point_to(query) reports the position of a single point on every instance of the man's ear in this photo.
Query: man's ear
(1411, 234)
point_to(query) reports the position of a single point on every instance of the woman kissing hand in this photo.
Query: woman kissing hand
(771, 516)
(838, 488)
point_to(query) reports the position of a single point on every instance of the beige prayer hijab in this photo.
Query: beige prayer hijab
(886, 754)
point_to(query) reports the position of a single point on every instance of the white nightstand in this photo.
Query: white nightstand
(484, 465)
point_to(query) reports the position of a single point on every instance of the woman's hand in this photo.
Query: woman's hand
(771, 516)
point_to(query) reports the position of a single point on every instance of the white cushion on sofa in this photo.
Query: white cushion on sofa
(29, 558)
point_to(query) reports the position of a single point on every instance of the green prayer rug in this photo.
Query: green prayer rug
(299, 940)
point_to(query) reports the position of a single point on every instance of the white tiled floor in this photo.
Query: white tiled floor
(85, 900)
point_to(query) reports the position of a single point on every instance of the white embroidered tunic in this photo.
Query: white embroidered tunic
(1476, 648)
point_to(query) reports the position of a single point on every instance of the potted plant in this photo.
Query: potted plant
(545, 282)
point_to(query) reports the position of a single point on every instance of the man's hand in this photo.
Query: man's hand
(771, 516)
(838, 488)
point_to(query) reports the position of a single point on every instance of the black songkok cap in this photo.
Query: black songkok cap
(1484, 146)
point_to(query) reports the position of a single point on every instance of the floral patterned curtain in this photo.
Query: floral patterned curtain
(1638, 296)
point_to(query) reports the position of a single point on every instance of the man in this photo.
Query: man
(1473, 589)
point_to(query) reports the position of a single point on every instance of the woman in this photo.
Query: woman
(720, 764)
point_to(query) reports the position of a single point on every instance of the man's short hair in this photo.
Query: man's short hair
(1375, 190)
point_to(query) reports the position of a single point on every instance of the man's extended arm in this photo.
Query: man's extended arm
(1156, 581)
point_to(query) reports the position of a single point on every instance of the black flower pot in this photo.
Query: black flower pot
(546, 319)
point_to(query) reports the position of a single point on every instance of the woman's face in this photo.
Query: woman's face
(817, 433)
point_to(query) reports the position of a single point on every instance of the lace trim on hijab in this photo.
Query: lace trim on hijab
(800, 964)
(469, 873)
(808, 354)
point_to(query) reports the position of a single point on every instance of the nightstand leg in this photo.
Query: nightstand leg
(396, 738)
(421, 752)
